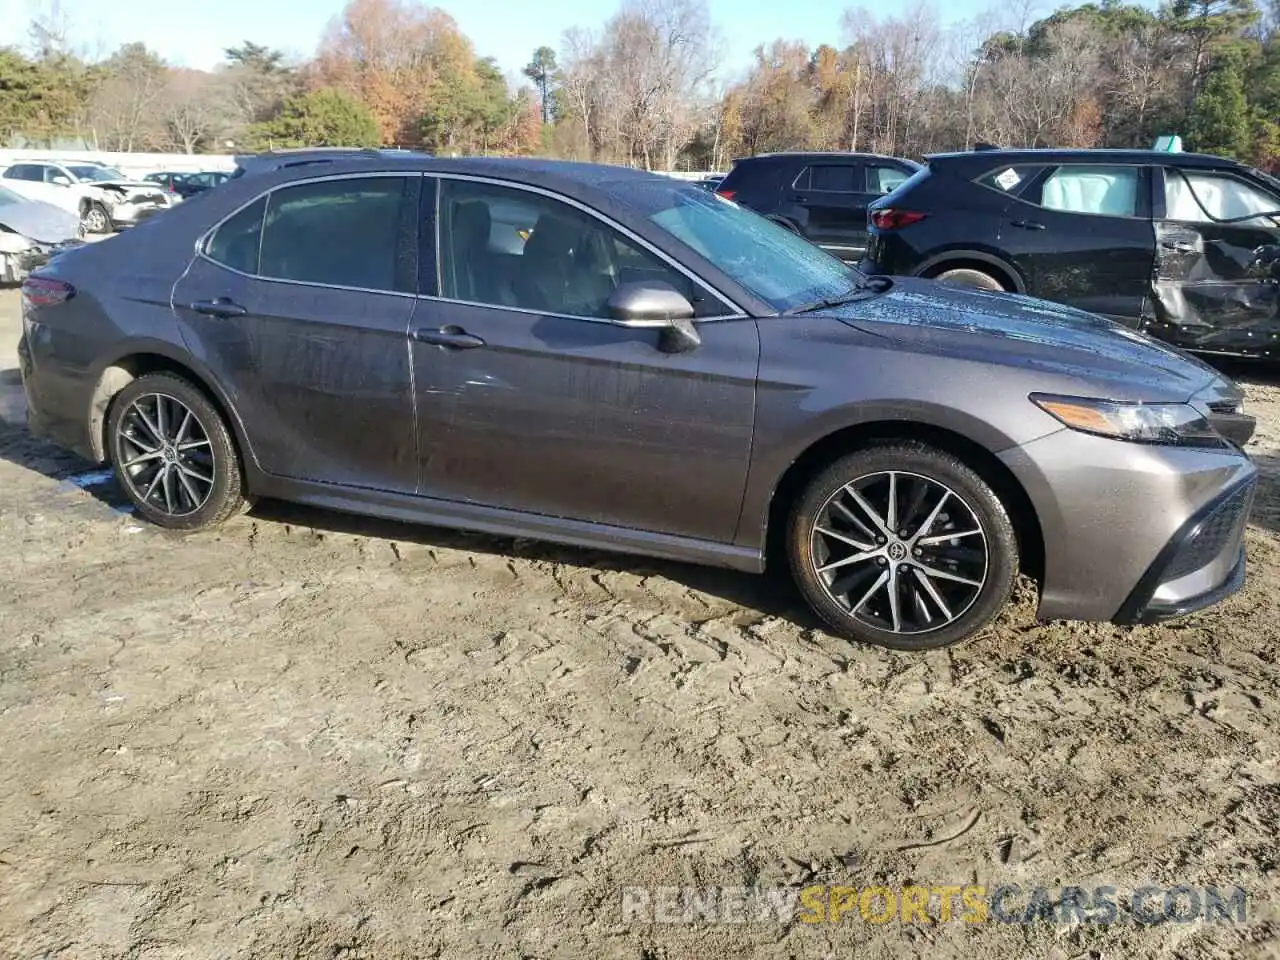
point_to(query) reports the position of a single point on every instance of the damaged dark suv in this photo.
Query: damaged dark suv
(1184, 246)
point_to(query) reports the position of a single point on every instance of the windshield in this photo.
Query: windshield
(776, 265)
(99, 174)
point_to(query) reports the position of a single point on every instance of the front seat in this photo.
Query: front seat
(551, 278)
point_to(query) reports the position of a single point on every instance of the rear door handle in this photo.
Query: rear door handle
(221, 307)
(449, 336)
(1179, 246)
(1028, 224)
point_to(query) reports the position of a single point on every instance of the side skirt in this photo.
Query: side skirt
(508, 523)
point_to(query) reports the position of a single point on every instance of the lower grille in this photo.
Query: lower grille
(1224, 527)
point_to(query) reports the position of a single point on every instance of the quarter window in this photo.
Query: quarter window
(514, 248)
(1201, 197)
(1100, 190)
(1010, 179)
(345, 233)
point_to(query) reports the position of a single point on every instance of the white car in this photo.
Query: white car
(31, 232)
(102, 197)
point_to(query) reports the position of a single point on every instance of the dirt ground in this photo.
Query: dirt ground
(311, 735)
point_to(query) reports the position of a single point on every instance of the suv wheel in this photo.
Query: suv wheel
(903, 546)
(173, 454)
(966, 277)
(95, 219)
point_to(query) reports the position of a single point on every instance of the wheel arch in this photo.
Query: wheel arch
(983, 461)
(155, 358)
(988, 263)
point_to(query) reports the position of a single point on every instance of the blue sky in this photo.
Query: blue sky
(194, 32)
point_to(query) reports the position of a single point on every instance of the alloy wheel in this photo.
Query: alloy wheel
(95, 220)
(900, 552)
(166, 456)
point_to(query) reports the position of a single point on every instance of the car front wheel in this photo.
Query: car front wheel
(173, 454)
(904, 546)
(95, 219)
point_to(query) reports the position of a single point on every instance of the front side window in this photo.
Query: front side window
(345, 233)
(505, 247)
(1195, 196)
(885, 180)
(830, 178)
(235, 243)
(1099, 190)
(772, 263)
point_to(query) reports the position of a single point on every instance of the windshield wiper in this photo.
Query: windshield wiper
(874, 285)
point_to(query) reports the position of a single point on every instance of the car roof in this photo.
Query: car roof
(1083, 155)
(820, 155)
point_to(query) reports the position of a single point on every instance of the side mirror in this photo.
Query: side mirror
(61, 181)
(656, 305)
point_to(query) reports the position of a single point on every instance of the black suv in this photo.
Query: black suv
(821, 196)
(1182, 245)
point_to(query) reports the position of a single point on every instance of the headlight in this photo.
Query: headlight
(1167, 423)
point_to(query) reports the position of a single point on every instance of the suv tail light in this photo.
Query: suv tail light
(727, 194)
(45, 291)
(891, 218)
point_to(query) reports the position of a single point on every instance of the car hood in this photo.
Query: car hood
(1032, 334)
(41, 222)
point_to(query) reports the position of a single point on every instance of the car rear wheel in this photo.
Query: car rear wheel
(904, 546)
(173, 454)
(96, 219)
(967, 277)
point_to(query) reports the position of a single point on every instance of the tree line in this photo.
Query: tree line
(646, 87)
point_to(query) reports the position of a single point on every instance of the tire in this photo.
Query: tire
(965, 277)
(205, 487)
(95, 218)
(958, 591)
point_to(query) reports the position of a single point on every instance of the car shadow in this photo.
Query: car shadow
(772, 594)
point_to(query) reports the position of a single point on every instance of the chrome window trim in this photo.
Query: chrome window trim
(736, 312)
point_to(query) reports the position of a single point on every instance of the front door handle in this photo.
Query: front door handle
(449, 336)
(1179, 246)
(220, 307)
(1028, 224)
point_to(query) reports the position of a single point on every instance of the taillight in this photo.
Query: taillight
(727, 194)
(45, 291)
(890, 218)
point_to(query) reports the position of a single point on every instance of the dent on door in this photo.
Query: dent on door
(1215, 292)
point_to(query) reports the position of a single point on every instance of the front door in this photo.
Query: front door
(300, 304)
(530, 400)
(1081, 235)
(1218, 262)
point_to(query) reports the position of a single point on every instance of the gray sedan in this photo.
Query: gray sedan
(614, 359)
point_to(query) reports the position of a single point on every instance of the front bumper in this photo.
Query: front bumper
(1134, 532)
(1202, 565)
(131, 214)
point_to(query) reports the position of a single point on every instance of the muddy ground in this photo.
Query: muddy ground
(310, 735)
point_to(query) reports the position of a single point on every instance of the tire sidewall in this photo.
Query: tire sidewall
(225, 497)
(1002, 559)
(972, 279)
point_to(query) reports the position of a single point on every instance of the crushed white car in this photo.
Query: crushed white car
(102, 197)
(32, 232)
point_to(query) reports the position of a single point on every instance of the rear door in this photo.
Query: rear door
(1081, 235)
(1218, 260)
(300, 305)
(33, 181)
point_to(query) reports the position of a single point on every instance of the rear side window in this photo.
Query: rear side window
(1087, 188)
(235, 243)
(346, 233)
(830, 178)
